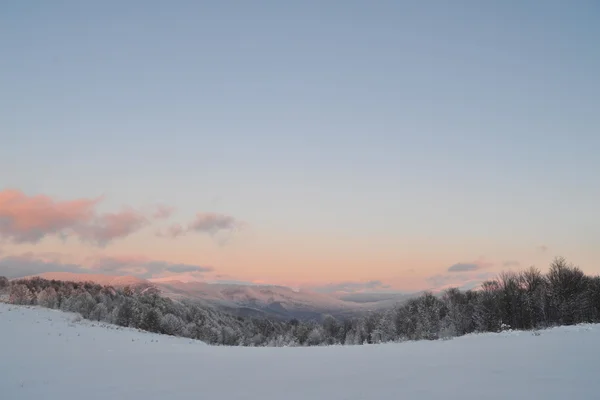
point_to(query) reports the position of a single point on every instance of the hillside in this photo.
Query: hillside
(101, 279)
(52, 357)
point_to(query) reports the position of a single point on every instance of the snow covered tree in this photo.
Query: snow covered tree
(20, 294)
(171, 324)
(331, 329)
(3, 282)
(151, 320)
(301, 332)
(99, 313)
(125, 313)
(48, 298)
(316, 337)
(83, 303)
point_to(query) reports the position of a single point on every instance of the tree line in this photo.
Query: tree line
(523, 300)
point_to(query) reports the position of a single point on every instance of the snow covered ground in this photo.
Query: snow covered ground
(45, 355)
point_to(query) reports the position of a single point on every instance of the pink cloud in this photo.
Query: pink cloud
(29, 219)
(110, 226)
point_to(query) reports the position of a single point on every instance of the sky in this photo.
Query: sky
(392, 145)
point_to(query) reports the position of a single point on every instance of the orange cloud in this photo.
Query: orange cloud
(28, 219)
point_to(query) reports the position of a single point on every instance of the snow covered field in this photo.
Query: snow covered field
(45, 355)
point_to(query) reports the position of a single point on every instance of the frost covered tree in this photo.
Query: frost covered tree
(125, 313)
(3, 282)
(99, 313)
(151, 321)
(331, 329)
(316, 336)
(20, 294)
(84, 304)
(171, 324)
(48, 298)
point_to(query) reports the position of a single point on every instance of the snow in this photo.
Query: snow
(46, 355)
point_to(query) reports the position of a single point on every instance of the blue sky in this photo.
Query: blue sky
(339, 129)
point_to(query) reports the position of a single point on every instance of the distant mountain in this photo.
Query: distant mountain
(278, 301)
(250, 300)
(256, 300)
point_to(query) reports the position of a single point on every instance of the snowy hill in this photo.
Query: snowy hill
(48, 356)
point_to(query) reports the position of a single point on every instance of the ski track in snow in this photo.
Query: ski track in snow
(45, 355)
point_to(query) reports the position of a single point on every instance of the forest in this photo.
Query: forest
(526, 300)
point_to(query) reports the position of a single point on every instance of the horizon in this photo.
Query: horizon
(366, 148)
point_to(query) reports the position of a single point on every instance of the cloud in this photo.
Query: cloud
(511, 263)
(30, 264)
(111, 226)
(212, 223)
(143, 268)
(219, 226)
(469, 266)
(464, 275)
(351, 287)
(542, 248)
(463, 280)
(461, 267)
(163, 212)
(16, 266)
(29, 219)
